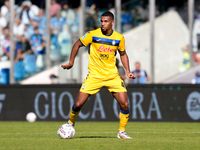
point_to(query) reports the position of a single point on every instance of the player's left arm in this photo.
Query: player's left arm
(125, 61)
(124, 58)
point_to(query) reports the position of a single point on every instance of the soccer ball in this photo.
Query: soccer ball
(66, 131)
(31, 117)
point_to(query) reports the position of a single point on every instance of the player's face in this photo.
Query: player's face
(106, 23)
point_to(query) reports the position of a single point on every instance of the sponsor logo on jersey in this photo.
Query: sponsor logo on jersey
(102, 48)
(83, 36)
(83, 87)
(113, 42)
(104, 56)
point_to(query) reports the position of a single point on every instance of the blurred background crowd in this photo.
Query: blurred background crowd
(30, 27)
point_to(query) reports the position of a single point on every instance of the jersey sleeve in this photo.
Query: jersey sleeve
(121, 46)
(86, 39)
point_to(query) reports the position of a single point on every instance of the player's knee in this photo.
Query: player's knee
(77, 106)
(125, 106)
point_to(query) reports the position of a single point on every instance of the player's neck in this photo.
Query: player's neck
(107, 33)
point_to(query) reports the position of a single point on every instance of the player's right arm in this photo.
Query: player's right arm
(83, 41)
(74, 52)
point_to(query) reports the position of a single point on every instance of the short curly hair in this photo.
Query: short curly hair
(108, 13)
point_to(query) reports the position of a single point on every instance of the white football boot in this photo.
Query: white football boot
(123, 135)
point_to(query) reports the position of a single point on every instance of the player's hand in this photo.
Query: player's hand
(131, 75)
(67, 66)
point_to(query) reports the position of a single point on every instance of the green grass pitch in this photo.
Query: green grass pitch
(100, 136)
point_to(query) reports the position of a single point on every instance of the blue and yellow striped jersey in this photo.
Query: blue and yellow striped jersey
(102, 52)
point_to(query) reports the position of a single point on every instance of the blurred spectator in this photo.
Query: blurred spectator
(5, 43)
(37, 42)
(89, 3)
(141, 75)
(196, 80)
(41, 19)
(54, 49)
(75, 26)
(26, 34)
(54, 8)
(34, 9)
(31, 28)
(17, 52)
(26, 13)
(54, 41)
(3, 24)
(121, 70)
(25, 47)
(18, 29)
(68, 14)
(143, 12)
(196, 56)
(5, 9)
(64, 40)
(185, 63)
(91, 16)
(56, 23)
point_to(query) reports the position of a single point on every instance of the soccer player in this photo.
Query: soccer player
(104, 44)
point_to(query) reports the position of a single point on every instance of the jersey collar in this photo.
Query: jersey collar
(109, 34)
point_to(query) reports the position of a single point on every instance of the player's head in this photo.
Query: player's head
(107, 21)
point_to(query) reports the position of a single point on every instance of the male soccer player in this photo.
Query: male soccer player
(104, 43)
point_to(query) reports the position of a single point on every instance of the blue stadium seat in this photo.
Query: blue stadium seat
(19, 70)
(4, 76)
(54, 53)
(126, 18)
(30, 63)
(40, 61)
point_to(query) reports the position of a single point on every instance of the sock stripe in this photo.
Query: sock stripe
(75, 110)
(124, 112)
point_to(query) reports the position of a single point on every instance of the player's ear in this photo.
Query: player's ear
(113, 22)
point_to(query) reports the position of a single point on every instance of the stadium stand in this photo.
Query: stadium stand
(30, 15)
